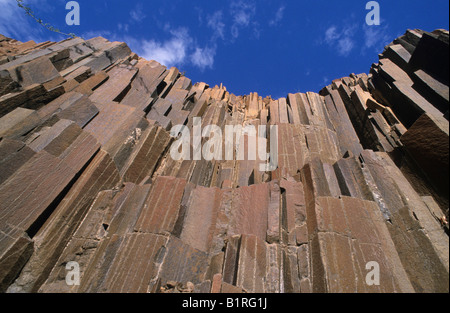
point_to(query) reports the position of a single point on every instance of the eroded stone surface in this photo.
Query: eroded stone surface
(86, 176)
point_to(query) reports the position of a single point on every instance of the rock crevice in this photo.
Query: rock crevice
(86, 176)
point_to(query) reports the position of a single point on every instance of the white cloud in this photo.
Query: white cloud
(242, 14)
(346, 39)
(215, 22)
(199, 11)
(278, 16)
(137, 13)
(242, 18)
(234, 31)
(256, 30)
(16, 24)
(341, 39)
(376, 37)
(203, 57)
(123, 27)
(180, 49)
(172, 52)
(345, 46)
(331, 35)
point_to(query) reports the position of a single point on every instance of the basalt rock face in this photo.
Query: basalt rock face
(86, 176)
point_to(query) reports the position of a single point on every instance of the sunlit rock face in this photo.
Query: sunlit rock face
(349, 194)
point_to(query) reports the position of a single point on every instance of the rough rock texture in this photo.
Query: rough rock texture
(86, 176)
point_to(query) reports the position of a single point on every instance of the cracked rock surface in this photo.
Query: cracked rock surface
(86, 176)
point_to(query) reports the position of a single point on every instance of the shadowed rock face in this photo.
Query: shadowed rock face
(86, 176)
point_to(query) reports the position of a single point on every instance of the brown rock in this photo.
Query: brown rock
(38, 71)
(142, 162)
(201, 218)
(161, 211)
(230, 289)
(81, 112)
(15, 249)
(87, 86)
(217, 284)
(249, 211)
(86, 176)
(101, 174)
(11, 119)
(274, 211)
(7, 84)
(13, 154)
(32, 97)
(427, 142)
(252, 264)
(128, 264)
(183, 263)
(115, 88)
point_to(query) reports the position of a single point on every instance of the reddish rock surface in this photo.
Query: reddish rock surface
(86, 176)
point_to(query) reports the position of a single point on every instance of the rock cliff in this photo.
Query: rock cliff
(86, 176)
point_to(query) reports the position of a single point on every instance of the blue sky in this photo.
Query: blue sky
(265, 46)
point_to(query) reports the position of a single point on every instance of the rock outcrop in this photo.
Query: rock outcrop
(86, 176)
